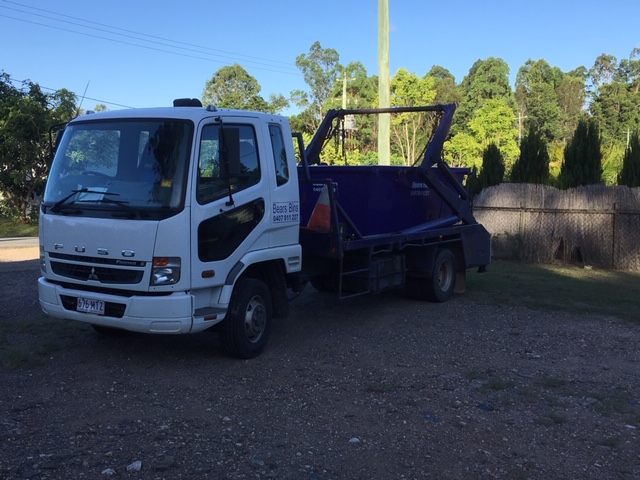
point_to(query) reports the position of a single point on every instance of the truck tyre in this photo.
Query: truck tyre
(245, 330)
(439, 287)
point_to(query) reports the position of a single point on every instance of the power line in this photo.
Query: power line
(284, 69)
(90, 22)
(13, 80)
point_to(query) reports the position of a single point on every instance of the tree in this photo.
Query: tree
(630, 173)
(411, 130)
(614, 106)
(532, 166)
(603, 70)
(550, 99)
(463, 150)
(492, 172)
(582, 157)
(26, 115)
(233, 87)
(445, 86)
(487, 80)
(495, 122)
(320, 69)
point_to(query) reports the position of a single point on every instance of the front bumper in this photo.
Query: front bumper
(147, 314)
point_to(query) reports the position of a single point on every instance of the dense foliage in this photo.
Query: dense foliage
(630, 173)
(26, 115)
(492, 172)
(582, 157)
(582, 119)
(233, 87)
(532, 166)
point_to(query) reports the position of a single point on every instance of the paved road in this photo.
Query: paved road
(18, 242)
(19, 253)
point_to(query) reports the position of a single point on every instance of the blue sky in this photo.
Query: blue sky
(141, 53)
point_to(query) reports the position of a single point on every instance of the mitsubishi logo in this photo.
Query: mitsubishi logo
(92, 275)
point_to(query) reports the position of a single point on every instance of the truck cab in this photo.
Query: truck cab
(172, 220)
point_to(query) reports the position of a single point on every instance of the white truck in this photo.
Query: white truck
(179, 219)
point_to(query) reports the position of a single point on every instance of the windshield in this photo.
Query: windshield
(133, 169)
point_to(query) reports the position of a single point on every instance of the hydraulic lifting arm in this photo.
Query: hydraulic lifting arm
(459, 200)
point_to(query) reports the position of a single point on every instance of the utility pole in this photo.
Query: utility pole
(344, 87)
(384, 119)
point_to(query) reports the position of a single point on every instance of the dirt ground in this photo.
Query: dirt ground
(371, 388)
(8, 255)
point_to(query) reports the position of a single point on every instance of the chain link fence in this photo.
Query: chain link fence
(592, 225)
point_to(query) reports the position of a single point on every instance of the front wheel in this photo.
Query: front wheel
(245, 330)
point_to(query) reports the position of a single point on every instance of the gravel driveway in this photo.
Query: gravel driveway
(372, 388)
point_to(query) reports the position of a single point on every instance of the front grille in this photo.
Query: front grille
(97, 260)
(100, 274)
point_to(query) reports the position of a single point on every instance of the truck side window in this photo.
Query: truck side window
(239, 169)
(279, 154)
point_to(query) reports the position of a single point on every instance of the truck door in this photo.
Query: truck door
(229, 198)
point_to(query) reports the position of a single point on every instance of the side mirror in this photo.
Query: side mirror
(231, 148)
(55, 143)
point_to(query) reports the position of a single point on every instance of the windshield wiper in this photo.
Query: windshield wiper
(63, 201)
(124, 205)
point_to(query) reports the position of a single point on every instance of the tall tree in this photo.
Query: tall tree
(320, 70)
(532, 166)
(409, 131)
(537, 85)
(495, 122)
(26, 115)
(445, 86)
(582, 157)
(614, 104)
(492, 172)
(603, 70)
(361, 92)
(630, 173)
(572, 94)
(233, 87)
(487, 80)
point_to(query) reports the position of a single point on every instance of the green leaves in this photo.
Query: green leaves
(532, 165)
(630, 173)
(26, 114)
(582, 157)
(233, 87)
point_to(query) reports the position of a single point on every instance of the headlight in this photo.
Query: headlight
(166, 271)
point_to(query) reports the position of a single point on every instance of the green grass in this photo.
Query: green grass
(9, 228)
(557, 287)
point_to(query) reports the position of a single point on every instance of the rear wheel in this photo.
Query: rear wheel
(439, 286)
(245, 330)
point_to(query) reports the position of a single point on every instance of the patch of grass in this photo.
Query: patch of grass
(498, 384)
(27, 342)
(557, 287)
(553, 382)
(614, 404)
(9, 228)
(551, 419)
(14, 358)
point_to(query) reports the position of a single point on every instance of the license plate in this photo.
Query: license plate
(88, 305)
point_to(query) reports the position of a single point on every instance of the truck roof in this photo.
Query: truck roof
(194, 114)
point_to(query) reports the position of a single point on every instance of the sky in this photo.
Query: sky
(144, 53)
